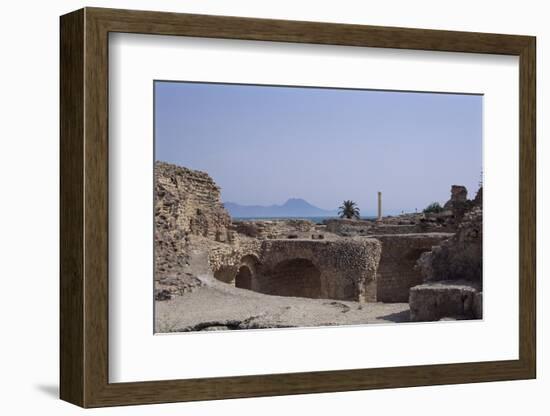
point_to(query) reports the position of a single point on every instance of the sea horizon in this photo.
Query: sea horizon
(315, 219)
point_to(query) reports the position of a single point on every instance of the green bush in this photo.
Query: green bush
(433, 208)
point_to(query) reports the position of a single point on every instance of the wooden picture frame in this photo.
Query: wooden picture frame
(84, 207)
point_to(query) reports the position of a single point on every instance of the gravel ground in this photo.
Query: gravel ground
(219, 306)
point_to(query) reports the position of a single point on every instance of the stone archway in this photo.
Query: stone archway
(243, 279)
(295, 277)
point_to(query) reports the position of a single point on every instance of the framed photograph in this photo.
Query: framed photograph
(254, 207)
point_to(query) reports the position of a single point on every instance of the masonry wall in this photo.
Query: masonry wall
(187, 207)
(412, 223)
(341, 269)
(396, 272)
(190, 199)
(459, 258)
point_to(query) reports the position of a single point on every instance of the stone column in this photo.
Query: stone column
(379, 205)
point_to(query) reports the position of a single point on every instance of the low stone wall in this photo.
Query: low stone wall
(406, 224)
(394, 229)
(266, 229)
(341, 269)
(396, 272)
(347, 227)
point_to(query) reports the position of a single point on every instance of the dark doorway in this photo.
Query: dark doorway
(243, 279)
(296, 277)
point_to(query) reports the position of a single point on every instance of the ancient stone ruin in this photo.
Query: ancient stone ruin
(433, 260)
(452, 273)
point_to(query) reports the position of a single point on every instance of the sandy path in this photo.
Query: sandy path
(219, 306)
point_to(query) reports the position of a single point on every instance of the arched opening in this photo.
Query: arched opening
(243, 279)
(251, 261)
(296, 277)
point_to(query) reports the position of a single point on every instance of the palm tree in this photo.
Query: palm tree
(348, 210)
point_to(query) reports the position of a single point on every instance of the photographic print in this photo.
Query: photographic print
(294, 206)
(273, 183)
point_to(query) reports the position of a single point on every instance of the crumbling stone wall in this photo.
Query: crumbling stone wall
(396, 272)
(342, 269)
(452, 273)
(459, 195)
(190, 199)
(188, 213)
(459, 258)
(459, 203)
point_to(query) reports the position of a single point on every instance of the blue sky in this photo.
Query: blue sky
(265, 144)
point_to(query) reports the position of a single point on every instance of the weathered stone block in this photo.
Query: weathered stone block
(436, 300)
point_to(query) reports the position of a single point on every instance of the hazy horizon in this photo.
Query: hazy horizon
(264, 145)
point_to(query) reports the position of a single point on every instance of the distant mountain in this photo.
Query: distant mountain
(294, 207)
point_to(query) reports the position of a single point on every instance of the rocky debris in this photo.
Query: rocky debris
(342, 306)
(252, 322)
(162, 294)
(441, 221)
(445, 299)
(253, 229)
(167, 286)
